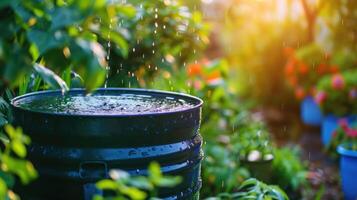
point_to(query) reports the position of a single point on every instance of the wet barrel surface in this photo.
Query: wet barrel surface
(72, 150)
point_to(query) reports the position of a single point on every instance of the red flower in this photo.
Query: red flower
(350, 132)
(320, 97)
(334, 69)
(343, 124)
(337, 82)
(197, 84)
(299, 93)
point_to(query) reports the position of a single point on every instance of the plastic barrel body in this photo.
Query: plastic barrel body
(72, 152)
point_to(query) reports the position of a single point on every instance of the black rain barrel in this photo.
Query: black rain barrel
(71, 151)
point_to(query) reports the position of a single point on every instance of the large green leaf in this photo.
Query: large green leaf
(47, 40)
(90, 62)
(3, 189)
(64, 16)
(22, 168)
(18, 64)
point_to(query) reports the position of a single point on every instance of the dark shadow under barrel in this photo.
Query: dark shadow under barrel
(73, 151)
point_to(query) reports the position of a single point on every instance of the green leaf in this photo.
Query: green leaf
(118, 39)
(4, 138)
(19, 148)
(168, 181)
(3, 189)
(4, 106)
(22, 168)
(4, 3)
(141, 182)
(134, 193)
(106, 184)
(127, 10)
(11, 131)
(35, 53)
(64, 16)
(8, 178)
(47, 40)
(51, 78)
(18, 64)
(89, 62)
(154, 171)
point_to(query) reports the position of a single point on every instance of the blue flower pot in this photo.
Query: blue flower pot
(348, 170)
(330, 124)
(310, 112)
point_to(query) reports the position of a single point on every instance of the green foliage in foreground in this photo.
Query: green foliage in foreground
(127, 187)
(253, 189)
(12, 161)
(59, 35)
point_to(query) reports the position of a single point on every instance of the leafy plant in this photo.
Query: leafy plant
(13, 163)
(336, 94)
(253, 189)
(125, 186)
(252, 142)
(307, 65)
(58, 35)
(345, 134)
(288, 171)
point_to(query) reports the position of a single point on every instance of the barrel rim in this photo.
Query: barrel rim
(144, 91)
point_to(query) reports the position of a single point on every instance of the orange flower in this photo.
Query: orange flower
(288, 51)
(289, 68)
(303, 68)
(194, 69)
(213, 77)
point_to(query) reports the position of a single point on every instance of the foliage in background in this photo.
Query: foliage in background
(345, 134)
(253, 189)
(307, 65)
(231, 133)
(124, 186)
(13, 163)
(289, 172)
(159, 35)
(337, 94)
(339, 18)
(255, 49)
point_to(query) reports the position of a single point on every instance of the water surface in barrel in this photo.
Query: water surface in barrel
(121, 104)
